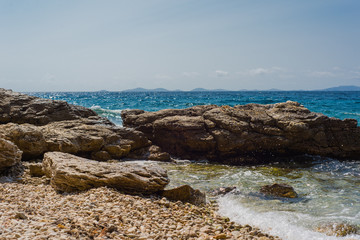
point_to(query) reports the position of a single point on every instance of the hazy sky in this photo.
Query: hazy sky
(76, 45)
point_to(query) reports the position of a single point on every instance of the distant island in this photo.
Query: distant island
(342, 88)
(334, 89)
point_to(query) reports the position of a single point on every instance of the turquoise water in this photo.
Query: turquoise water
(329, 189)
(109, 104)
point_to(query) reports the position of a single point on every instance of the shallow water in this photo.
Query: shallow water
(328, 193)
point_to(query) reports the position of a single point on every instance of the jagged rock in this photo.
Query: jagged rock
(185, 193)
(279, 190)
(69, 173)
(85, 137)
(337, 229)
(21, 108)
(10, 154)
(246, 133)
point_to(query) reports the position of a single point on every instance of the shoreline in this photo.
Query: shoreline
(34, 210)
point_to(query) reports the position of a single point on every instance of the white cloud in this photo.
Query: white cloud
(220, 73)
(191, 74)
(262, 71)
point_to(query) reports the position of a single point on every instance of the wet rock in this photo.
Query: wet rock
(246, 133)
(337, 229)
(185, 193)
(69, 173)
(279, 190)
(10, 154)
(223, 190)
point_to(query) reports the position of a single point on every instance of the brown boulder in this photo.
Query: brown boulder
(246, 133)
(69, 173)
(10, 154)
(279, 190)
(185, 193)
(85, 137)
(21, 108)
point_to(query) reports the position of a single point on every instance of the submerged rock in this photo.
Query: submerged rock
(337, 229)
(10, 154)
(223, 190)
(279, 190)
(246, 133)
(69, 173)
(185, 193)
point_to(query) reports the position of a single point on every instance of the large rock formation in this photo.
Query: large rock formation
(83, 137)
(21, 108)
(10, 154)
(37, 126)
(69, 173)
(249, 132)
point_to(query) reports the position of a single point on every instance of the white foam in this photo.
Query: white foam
(286, 225)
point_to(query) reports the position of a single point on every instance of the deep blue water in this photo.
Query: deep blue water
(109, 104)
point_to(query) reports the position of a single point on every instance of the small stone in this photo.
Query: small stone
(20, 215)
(221, 236)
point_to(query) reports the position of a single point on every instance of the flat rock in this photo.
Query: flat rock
(246, 133)
(21, 108)
(10, 154)
(185, 193)
(69, 173)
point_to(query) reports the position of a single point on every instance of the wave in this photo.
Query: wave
(284, 224)
(350, 113)
(113, 115)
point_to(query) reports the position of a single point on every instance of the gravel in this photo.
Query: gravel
(32, 209)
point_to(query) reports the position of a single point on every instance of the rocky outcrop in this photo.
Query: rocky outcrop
(10, 154)
(185, 193)
(38, 125)
(247, 133)
(84, 137)
(338, 229)
(69, 173)
(21, 108)
(279, 190)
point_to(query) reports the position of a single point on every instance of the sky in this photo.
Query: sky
(86, 45)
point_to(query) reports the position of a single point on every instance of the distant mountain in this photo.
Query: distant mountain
(146, 90)
(208, 90)
(342, 88)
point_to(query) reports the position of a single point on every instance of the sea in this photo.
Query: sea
(328, 189)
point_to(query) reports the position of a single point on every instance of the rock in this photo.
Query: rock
(69, 173)
(21, 108)
(223, 190)
(10, 154)
(36, 169)
(20, 215)
(185, 193)
(246, 133)
(336, 229)
(85, 137)
(279, 190)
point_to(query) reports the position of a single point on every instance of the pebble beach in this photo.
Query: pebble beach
(32, 209)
